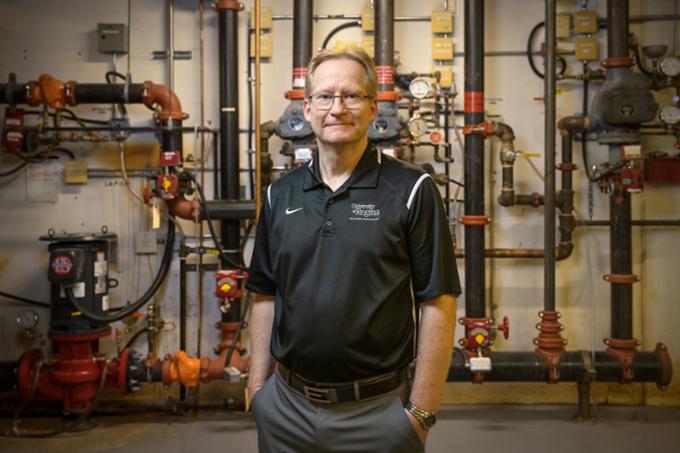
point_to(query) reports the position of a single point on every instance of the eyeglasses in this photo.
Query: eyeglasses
(351, 101)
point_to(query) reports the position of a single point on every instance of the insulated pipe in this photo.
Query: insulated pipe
(384, 44)
(527, 366)
(617, 28)
(620, 236)
(475, 286)
(566, 197)
(227, 12)
(549, 191)
(302, 34)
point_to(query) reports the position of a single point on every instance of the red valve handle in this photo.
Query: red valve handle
(505, 327)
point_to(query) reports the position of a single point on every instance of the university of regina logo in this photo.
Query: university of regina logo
(364, 212)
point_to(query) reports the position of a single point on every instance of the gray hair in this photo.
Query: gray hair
(352, 53)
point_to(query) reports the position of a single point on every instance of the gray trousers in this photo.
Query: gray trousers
(287, 422)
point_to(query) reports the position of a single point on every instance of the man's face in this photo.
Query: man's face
(339, 125)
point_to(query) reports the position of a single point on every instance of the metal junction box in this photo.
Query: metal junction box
(112, 38)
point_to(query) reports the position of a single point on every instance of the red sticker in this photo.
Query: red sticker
(62, 265)
(435, 137)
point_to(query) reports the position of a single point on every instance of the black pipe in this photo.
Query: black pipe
(384, 38)
(643, 223)
(182, 313)
(302, 33)
(549, 190)
(617, 28)
(475, 286)
(527, 366)
(229, 138)
(171, 137)
(566, 197)
(620, 236)
(8, 376)
(230, 209)
(104, 93)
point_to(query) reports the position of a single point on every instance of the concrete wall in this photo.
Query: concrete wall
(59, 38)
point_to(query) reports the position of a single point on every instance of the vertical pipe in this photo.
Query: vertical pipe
(617, 28)
(302, 33)
(474, 159)
(171, 45)
(258, 131)
(620, 236)
(384, 41)
(229, 134)
(549, 188)
(183, 313)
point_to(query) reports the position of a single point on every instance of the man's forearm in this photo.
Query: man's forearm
(261, 361)
(435, 344)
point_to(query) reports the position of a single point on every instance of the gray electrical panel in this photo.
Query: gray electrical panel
(112, 38)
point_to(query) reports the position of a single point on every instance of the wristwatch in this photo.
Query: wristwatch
(425, 418)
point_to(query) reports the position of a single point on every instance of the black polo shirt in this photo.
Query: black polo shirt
(346, 267)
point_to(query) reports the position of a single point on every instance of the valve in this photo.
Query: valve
(229, 283)
(503, 327)
(167, 186)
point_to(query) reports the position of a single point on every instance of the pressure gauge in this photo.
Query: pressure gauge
(670, 66)
(27, 319)
(670, 114)
(417, 126)
(420, 87)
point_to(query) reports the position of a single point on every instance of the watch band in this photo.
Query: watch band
(425, 418)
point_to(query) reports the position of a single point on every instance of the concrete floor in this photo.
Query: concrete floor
(477, 429)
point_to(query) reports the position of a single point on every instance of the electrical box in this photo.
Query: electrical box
(442, 49)
(442, 21)
(367, 19)
(585, 22)
(445, 75)
(663, 170)
(146, 243)
(75, 172)
(266, 21)
(587, 49)
(112, 38)
(368, 43)
(266, 46)
(563, 26)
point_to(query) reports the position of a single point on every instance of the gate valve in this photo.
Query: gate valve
(167, 186)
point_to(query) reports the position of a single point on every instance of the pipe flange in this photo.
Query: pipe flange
(666, 366)
(567, 166)
(228, 4)
(626, 279)
(617, 62)
(484, 129)
(295, 95)
(624, 351)
(475, 220)
(388, 96)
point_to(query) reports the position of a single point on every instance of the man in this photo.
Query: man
(347, 249)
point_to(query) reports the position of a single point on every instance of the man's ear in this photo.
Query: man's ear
(306, 109)
(374, 108)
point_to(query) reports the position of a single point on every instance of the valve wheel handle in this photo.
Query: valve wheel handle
(505, 327)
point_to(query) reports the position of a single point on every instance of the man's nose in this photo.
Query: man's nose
(337, 105)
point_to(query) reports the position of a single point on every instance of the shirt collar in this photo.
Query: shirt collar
(364, 176)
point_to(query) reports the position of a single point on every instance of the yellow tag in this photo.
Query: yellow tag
(525, 154)
(226, 287)
(479, 338)
(76, 313)
(75, 172)
(155, 217)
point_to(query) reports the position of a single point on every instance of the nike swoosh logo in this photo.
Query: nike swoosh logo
(289, 211)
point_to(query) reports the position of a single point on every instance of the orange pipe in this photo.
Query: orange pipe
(166, 98)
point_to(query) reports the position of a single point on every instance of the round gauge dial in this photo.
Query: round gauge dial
(420, 87)
(670, 114)
(28, 319)
(670, 66)
(417, 126)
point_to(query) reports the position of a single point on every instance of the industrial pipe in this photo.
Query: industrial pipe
(475, 286)
(549, 156)
(229, 130)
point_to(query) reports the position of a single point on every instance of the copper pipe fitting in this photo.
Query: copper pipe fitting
(476, 220)
(166, 98)
(550, 344)
(227, 4)
(181, 368)
(626, 279)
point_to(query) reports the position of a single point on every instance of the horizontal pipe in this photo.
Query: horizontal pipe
(659, 223)
(528, 366)
(231, 209)
(507, 253)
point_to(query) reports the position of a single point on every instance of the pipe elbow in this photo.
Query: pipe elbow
(507, 198)
(185, 209)
(563, 250)
(171, 107)
(570, 123)
(504, 132)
